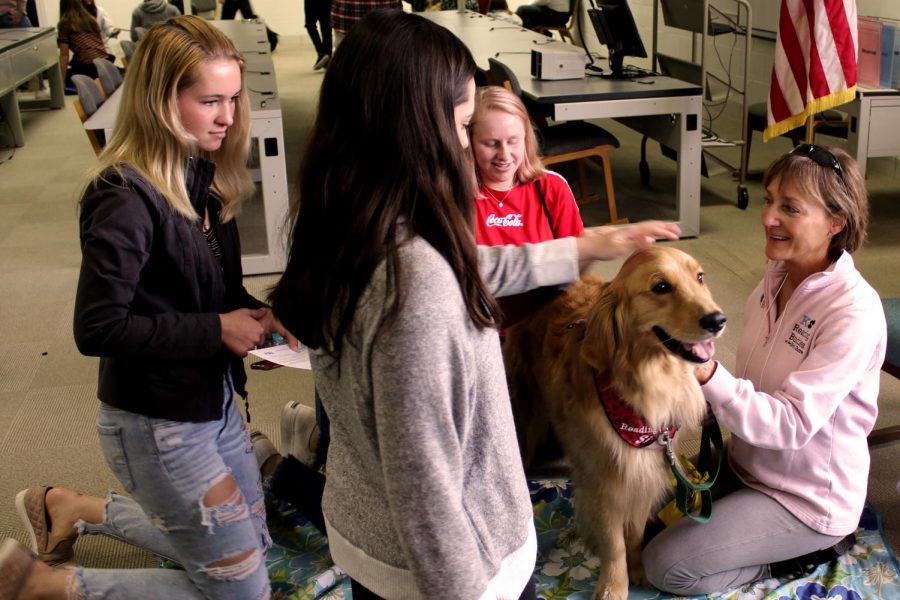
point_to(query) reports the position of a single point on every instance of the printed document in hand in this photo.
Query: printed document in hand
(283, 355)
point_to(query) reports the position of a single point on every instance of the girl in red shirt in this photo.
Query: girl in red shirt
(518, 201)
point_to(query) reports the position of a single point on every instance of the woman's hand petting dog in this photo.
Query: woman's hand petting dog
(605, 243)
(704, 372)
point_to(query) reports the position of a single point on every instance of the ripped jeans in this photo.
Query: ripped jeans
(186, 508)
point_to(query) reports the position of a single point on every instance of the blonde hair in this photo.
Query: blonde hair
(843, 195)
(493, 97)
(149, 135)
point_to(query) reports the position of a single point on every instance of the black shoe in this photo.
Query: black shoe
(273, 39)
(803, 565)
(322, 62)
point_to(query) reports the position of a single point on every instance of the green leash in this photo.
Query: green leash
(686, 491)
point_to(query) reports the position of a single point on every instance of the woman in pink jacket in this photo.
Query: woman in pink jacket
(802, 398)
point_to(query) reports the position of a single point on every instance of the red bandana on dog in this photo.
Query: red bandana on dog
(630, 426)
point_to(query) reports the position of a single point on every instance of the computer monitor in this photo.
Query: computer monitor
(616, 29)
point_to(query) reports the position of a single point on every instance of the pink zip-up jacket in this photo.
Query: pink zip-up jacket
(806, 394)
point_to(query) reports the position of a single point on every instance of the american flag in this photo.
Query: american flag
(815, 61)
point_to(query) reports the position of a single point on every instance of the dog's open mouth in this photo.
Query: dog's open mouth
(698, 352)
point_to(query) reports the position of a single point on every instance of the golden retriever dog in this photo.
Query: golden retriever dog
(632, 341)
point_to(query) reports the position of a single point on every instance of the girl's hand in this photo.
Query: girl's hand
(705, 371)
(606, 243)
(241, 330)
(271, 324)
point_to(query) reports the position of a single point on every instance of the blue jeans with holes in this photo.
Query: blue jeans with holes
(168, 467)
(6, 21)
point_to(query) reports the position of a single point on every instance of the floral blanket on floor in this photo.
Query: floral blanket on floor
(300, 567)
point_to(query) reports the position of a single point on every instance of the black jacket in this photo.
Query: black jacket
(149, 296)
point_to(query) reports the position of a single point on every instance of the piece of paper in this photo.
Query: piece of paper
(283, 355)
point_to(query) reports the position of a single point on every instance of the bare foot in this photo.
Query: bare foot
(66, 507)
(46, 582)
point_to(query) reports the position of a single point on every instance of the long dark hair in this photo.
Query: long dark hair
(383, 163)
(74, 16)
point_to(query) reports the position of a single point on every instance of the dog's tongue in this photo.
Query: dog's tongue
(702, 350)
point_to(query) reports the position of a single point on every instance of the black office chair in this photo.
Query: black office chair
(109, 75)
(828, 122)
(565, 142)
(128, 48)
(89, 100)
(564, 30)
(204, 8)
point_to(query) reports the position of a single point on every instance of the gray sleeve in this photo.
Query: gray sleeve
(422, 378)
(516, 269)
(135, 23)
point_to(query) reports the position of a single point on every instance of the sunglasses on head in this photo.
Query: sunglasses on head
(821, 157)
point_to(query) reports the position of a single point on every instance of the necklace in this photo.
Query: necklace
(499, 201)
(759, 331)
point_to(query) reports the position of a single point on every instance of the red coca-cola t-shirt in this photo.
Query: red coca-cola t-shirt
(521, 218)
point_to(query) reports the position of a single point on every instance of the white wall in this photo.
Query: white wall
(283, 16)
(286, 17)
(879, 8)
(766, 11)
(679, 43)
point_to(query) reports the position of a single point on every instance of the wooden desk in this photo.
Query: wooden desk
(667, 110)
(267, 166)
(25, 53)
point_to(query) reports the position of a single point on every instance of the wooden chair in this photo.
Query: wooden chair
(89, 100)
(127, 51)
(890, 434)
(565, 31)
(109, 75)
(569, 141)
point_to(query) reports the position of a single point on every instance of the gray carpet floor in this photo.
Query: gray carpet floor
(47, 389)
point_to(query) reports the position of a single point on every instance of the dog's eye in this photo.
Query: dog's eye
(662, 287)
(700, 277)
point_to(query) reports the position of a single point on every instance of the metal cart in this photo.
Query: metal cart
(706, 22)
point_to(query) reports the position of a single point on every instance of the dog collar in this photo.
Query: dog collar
(630, 426)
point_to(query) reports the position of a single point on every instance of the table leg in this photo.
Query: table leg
(9, 104)
(858, 131)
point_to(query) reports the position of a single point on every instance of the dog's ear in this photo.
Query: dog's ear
(604, 328)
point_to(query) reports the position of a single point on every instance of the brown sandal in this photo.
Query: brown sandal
(32, 509)
(16, 562)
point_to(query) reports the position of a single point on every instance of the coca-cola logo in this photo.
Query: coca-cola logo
(504, 221)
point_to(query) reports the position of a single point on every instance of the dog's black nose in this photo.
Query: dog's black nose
(713, 322)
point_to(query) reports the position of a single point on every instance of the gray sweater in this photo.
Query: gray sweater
(150, 12)
(425, 495)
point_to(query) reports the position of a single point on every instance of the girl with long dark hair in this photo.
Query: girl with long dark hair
(425, 494)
